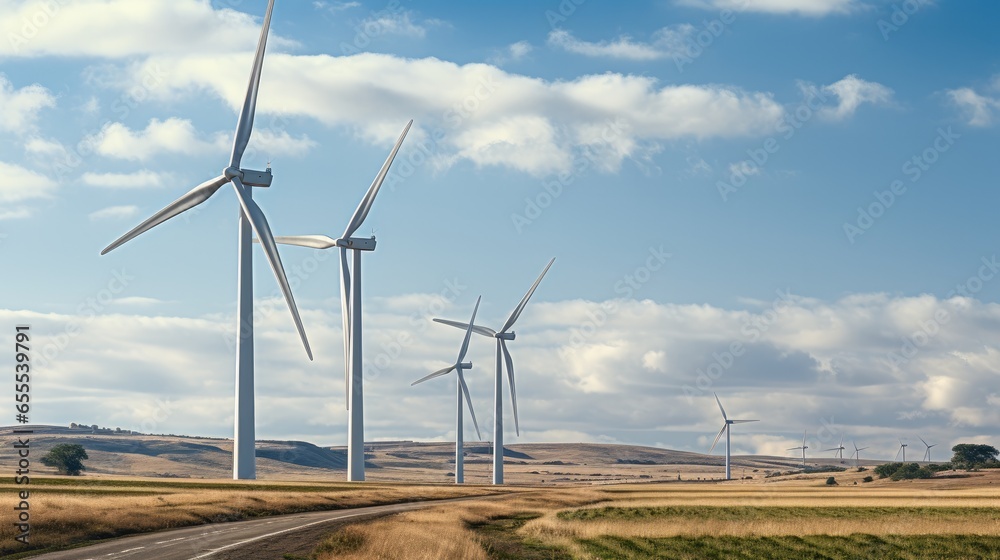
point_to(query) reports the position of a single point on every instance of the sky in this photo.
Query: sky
(787, 202)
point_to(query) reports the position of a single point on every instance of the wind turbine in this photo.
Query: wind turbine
(502, 337)
(927, 454)
(725, 428)
(463, 389)
(839, 449)
(803, 447)
(350, 302)
(902, 448)
(857, 452)
(251, 218)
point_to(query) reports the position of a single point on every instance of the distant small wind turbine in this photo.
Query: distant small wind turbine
(927, 454)
(463, 389)
(857, 453)
(902, 449)
(803, 447)
(725, 428)
(839, 449)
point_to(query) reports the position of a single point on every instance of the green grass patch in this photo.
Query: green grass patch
(502, 542)
(859, 546)
(779, 513)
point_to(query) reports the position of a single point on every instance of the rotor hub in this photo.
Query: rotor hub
(231, 172)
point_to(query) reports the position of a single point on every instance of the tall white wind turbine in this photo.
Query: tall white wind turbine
(463, 389)
(839, 449)
(350, 302)
(927, 454)
(725, 428)
(803, 447)
(902, 449)
(857, 453)
(251, 218)
(502, 337)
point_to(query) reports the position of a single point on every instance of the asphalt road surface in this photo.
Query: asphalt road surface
(264, 538)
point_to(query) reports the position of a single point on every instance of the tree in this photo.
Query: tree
(67, 458)
(973, 455)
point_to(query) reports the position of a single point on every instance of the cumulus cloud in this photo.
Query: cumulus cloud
(137, 180)
(34, 28)
(851, 92)
(19, 108)
(20, 184)
(403, 23)
(666, 42)
(813, 8)
(113, 213)
(977, 108)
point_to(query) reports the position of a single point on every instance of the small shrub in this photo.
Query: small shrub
(867, 479)
(831, 481)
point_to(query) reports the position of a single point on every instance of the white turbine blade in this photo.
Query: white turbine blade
(922, 441)
(345, 313)
(468, 399)
(468, 332)
(803, 439)
(724, 417)
(510, 379)
(244, 126)
(263, 231)
(311, 241)
(793, 448)
(437, 373)
(475, 328)
(862, 448)
(369, 200)
(524, 301)
(742, 421)
(717, 439)
(898, 451)
(192, 198)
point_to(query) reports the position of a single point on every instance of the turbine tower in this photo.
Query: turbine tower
(350, 303)
(463, 389)
(803, 447)
(725, 428)
(839, 449)
(857, 453)
(251, 218)
(927, 454)
(902, 448)
(502, 337)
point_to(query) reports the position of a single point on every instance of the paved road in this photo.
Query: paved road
(226, 539)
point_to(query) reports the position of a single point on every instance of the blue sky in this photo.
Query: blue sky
(644, 122)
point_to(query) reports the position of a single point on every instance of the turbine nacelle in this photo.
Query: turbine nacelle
(357, 243)
(464, 365)
(505, 335)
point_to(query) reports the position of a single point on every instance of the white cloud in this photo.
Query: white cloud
(977, 109)
(18, 213)
(744, 167)
(396, 23)
(113, 213)
(479, 107)
(137, 180)
(655, 360)
(669, 41)
(126, 28)
(519, 50)
(19, 108)
(797, 7)
(851, 92)
(20, 184)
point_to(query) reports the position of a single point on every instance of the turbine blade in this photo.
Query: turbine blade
(897, 454)
(259, 224)
(742, 421)
(468, 332)
(192, 198)
(244, 126)
(803, 439)
(510, 378)
(369, 200)
(475, 328)
(724, 417)
(345, 312)
(922, 440)
(524, 301)
(437, 373)
(717, 439)
(468, 399)
(311, 241)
